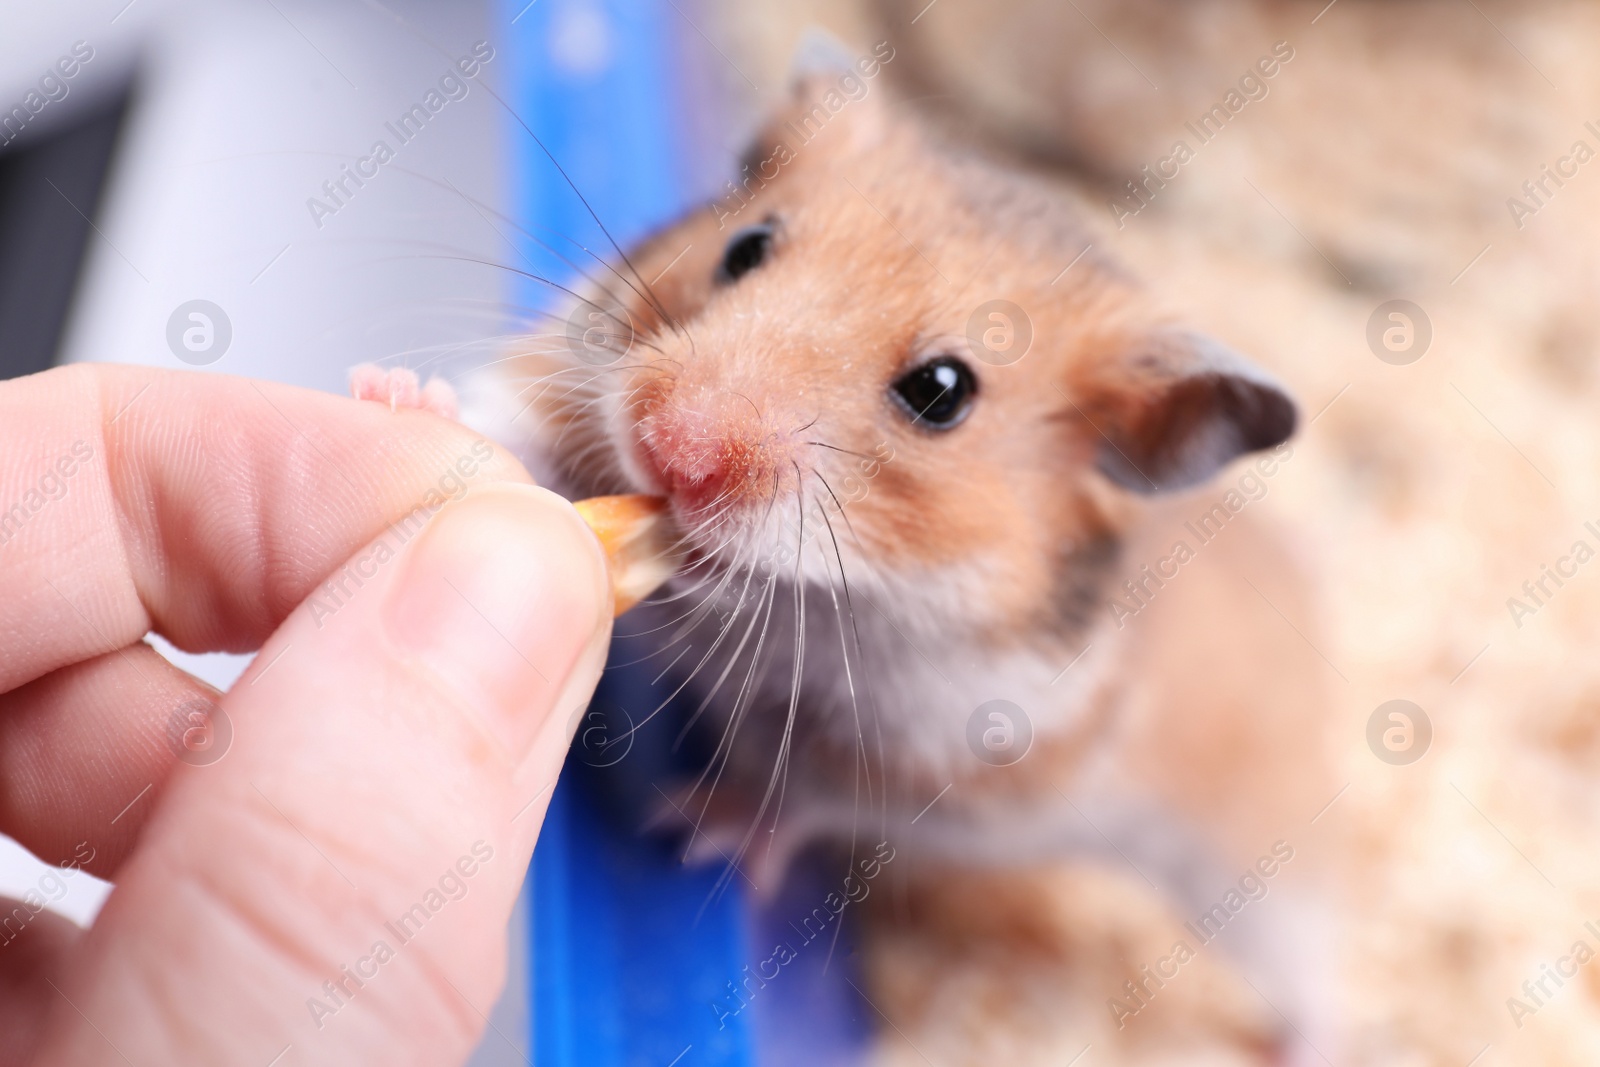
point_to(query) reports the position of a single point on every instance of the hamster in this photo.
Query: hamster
(930, 455)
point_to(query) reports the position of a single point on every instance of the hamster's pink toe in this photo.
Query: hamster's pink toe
(399, 388)
(368, 381)
(440, 398)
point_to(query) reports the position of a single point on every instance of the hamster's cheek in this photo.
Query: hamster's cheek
(673, 270)
(925, 505)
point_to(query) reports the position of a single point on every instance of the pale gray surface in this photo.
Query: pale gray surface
(244, 108)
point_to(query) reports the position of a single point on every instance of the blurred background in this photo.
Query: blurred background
(174, 164)
(1420, 156)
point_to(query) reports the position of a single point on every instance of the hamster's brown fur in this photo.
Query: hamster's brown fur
(1384, 162)
(977, 563)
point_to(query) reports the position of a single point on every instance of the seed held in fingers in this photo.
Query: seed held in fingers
(634, 533)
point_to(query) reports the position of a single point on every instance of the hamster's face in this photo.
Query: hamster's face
(885, 365)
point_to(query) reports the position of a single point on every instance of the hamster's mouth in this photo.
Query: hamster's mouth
(683, 531)
(716, 546)
(723, 495)
(704, 521)
(650, 550)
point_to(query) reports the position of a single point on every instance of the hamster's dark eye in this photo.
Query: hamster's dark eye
(938, 394)
(746, 251)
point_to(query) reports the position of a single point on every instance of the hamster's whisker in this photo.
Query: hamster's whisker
(744, 699)
(602, 287)
(594, 446)
(715, 644)
(437, 351)
(664, 358)
(651, 299)
(576, 420)
(518, 271)
(785, 746)
(843, 514)
(742, 703)
(481, 207)
(750, 689)
(719, 757)
(598, 259)
(861, 652)
(846, 451)
(709, 601)
(722, 579)
(734, 659)
(689, 620)
(859, 769)
(596, 283)
(599, 371)
(548, 381)
(844, 649)
(706, 565)
(509, 269)
(627, 400)
(725, 516)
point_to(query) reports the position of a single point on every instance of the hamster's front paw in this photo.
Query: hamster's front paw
(400, 388)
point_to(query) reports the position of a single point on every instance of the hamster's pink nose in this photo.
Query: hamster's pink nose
(711, 451)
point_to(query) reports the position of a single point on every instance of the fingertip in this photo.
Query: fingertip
(503, 595)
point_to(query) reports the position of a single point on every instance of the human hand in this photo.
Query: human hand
(318, 866)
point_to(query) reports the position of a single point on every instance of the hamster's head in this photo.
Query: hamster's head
(882, 362)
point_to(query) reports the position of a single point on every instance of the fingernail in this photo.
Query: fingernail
(501, 596)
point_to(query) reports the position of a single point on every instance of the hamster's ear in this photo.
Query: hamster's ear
(834, 102)
(829, 80)
(1180, 408)
(819, 53)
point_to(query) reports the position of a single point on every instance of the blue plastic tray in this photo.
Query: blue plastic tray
(637, 960)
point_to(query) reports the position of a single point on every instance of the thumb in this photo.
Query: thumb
(333, 886)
